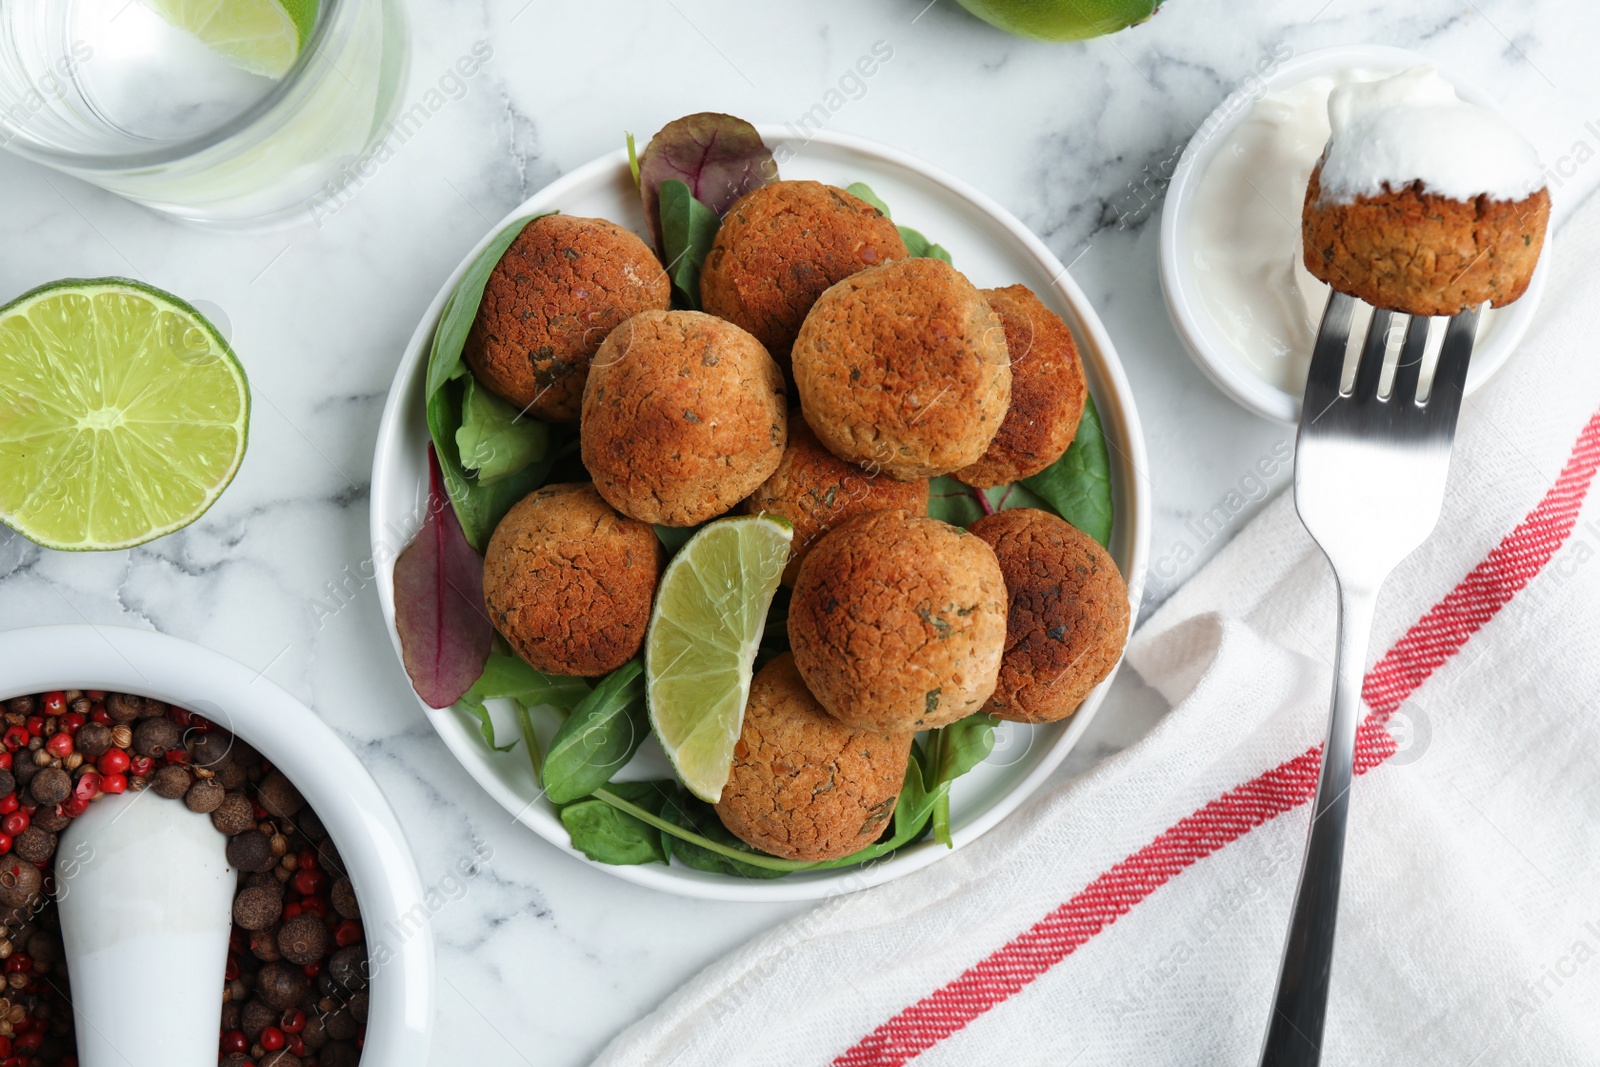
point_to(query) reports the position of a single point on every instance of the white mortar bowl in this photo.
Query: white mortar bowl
(335, 784)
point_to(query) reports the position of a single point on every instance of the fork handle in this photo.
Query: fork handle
(1294, 1036)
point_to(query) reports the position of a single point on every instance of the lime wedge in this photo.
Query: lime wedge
(123, 414)
(261, 36)
(710, 610)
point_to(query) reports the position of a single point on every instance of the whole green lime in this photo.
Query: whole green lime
(1062, 20)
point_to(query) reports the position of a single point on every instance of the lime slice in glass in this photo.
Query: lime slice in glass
(123, 414)
(704, 630)
(261, 36)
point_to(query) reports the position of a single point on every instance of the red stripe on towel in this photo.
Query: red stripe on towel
(1427, 645)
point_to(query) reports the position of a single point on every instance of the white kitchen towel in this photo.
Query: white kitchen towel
(1137, 914)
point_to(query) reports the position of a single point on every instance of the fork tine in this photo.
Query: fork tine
(1369, 371)
(1327, 357)
(1408, 372)
(1450, 379)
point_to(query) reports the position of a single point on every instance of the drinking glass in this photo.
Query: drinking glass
(119, 94)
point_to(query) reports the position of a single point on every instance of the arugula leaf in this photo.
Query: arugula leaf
(495, 440)
(607, 834)
(1078, 485)
(599, 737)
(687, 230)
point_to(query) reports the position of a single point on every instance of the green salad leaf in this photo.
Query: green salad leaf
(600, 736)
(687, 229)
(721, 853)
(450, 338)
(608, 834)
(1078, 485)
(916, 244)
(507, 676)
(495, 440)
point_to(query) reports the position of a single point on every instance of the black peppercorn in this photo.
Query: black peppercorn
(358, 1006)
(92, 740)
(258, 908)
(156, 737)
(303, 939)
(34, 845)
(341, 1025)
(50, 787)
(281, 984)
(51, 819)
(348, 967)
(233, 815)
(122, 707)
(343, 897)
(8, 783)
(204, 796)
(251, 852)
(171, 781)
(19, 884)
(281, 1058)
(339, 1054)
(212, 750)
(279, 796)
(236, 1059)
(256, 1017)
(313, 1035)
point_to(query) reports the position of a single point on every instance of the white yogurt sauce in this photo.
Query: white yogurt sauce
(1412, 126)
(1244, 222)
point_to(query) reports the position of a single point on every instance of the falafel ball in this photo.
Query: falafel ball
(898, 622)
(903, 368)
(561, 287)
(569, 582)
(1047, 391)
(1066, 618)
(816, 491)
(780, 246)
(1421, 253)
(803, 784)
(683, 416)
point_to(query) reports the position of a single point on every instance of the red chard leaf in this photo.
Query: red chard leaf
(445, 632)
(719, 157)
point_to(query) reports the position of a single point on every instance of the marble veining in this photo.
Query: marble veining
(542, 958)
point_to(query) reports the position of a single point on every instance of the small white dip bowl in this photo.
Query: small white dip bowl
(1208, 343)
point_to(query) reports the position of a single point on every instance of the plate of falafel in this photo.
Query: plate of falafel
(746, 541)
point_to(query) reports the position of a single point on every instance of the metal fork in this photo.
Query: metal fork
(1369, 480)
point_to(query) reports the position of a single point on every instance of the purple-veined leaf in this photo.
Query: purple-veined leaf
(719, 157)
(445, 632)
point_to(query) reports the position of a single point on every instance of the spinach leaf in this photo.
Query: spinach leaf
(920, 247)
(479, 507)
(952, 752)
(687, 230)
(451, 337)
(474, 706)
(496, 440)
(1078, 485)
(916, 244)
(508, 677)
(675, 537)
(696, 816)
(863, 191)
(607, 834)
(953, 502)
(599, 737)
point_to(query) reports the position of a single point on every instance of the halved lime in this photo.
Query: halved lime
(709, 613)
(123, 414)
(262, 36)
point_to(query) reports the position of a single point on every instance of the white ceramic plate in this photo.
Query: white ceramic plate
(324, 770)
(1208, 343)
(993, 249)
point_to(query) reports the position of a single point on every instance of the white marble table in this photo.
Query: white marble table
(542, 958)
